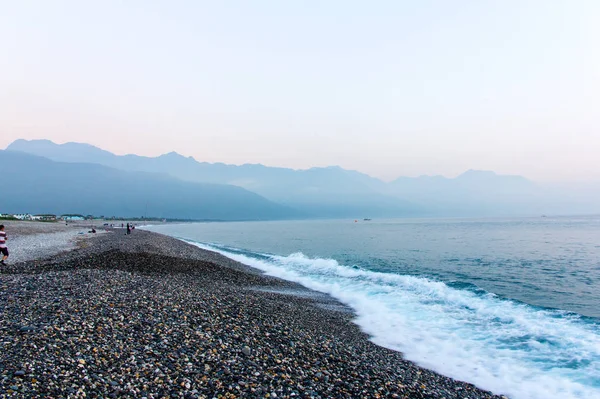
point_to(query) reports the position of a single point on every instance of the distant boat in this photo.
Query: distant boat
(544, 216)
(366, 219)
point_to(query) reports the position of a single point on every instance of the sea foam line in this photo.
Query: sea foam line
(503, 346)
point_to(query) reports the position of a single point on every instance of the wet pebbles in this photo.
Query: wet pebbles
(147, 316)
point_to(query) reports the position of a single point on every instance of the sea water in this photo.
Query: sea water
(510, 305)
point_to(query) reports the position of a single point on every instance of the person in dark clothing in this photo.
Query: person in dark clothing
(3, 248)
(128, 229)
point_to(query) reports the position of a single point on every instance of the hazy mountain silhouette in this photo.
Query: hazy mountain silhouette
(317, 192)
(39, 185)
(471, 193)
(337, 192)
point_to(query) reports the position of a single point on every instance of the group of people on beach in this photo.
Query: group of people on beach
(4, 238)
(3, 248)
(129, 227)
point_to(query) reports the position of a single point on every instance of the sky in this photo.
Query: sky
(390, 88)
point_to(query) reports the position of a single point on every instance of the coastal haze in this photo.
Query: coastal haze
(329, 192)
(330, 199)
(386, 88)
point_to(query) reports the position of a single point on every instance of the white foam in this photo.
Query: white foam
(499, 345)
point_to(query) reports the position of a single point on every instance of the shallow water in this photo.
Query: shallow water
(512, 305)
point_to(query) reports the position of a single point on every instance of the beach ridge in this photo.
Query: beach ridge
(146, 315)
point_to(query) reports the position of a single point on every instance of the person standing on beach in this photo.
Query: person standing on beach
(3, 248)
(128, 229)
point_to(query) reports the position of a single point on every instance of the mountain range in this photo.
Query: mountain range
(334, 191)
(33, 184)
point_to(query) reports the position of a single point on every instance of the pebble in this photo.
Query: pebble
(149, 316)
(246, 350)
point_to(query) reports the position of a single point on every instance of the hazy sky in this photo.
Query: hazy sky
(385, 87)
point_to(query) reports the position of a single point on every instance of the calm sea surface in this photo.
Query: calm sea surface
(511, 305)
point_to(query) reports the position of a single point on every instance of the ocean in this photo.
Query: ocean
(510, 305)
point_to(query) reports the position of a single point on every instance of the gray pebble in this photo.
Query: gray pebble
(246, 350)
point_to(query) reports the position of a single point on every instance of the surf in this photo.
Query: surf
(456, 329)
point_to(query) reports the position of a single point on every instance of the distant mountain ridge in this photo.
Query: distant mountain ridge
(334, 191)
(39, 185)
(318, 192)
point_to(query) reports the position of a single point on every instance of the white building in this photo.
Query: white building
(23, 216)
(72, 217)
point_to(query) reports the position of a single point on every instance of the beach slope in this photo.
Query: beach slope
(145, 315)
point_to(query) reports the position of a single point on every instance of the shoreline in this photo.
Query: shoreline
(147, 315)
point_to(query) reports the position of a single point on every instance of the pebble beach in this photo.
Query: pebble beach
(148, 316)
